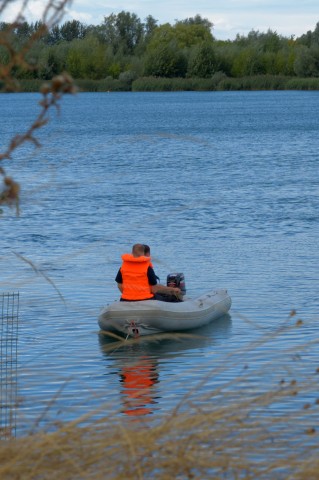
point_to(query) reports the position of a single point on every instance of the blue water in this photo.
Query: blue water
(222, 185)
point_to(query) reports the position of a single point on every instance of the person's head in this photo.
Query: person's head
(138, 250)
(147, 251)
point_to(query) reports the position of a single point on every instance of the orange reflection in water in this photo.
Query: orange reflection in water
(138, 386)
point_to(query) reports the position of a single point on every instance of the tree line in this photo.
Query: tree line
(125, 49)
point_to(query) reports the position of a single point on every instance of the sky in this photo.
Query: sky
(229, 17)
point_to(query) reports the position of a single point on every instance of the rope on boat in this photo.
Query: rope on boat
(132, 329)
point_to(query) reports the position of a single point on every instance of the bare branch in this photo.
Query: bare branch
(51, 91)
(39, 272)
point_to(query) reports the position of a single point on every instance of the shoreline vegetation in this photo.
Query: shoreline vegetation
(162, 84)
(125, 53)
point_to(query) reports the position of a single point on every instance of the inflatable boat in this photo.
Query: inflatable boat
(153, 316)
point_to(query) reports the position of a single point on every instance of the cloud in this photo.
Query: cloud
(229, 17)
(31, 10)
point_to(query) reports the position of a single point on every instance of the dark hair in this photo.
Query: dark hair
(146, 249)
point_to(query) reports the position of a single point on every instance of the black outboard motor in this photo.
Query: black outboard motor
(173, 280)
(176, 280)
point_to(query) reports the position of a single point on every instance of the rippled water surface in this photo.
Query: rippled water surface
(223, 186)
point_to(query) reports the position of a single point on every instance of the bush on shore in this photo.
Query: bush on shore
(218, 82)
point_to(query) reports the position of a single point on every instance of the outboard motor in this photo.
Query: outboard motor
(173, 280)
(176, 280)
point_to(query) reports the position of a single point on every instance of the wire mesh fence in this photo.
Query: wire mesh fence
(9, 318)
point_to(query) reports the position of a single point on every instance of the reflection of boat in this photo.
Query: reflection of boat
(137, 361)
(165, 344)
(153, 316)
(138, 380)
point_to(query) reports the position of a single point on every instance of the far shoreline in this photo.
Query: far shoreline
(219, 82)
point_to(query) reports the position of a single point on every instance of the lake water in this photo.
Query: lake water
(222, 185)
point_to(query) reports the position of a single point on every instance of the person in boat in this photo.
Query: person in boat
(147, 253)
(147, 250)
(137, 280)
(165, 297)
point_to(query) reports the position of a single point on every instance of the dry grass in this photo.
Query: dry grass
(235, 431)
(222, 443)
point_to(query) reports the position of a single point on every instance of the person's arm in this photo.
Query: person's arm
(157, 287)
(119, 281)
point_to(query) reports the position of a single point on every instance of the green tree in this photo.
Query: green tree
(4, 56)
(269, 42)
(307, 62)
(248, 62)
(226, 52)
(87, 58)
(285, 60)
(149, 27)
(165, 60)
(183, 35)
(130, 30)
(169, 48)
(202, 62)
(123, 31)
(315, 35)
(197, 20)
(23, 30)
(72, 30)
(4, 26)
(53, 36)
(305, 39)
(52, 60)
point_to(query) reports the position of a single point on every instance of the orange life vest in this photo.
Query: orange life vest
(134, 276)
